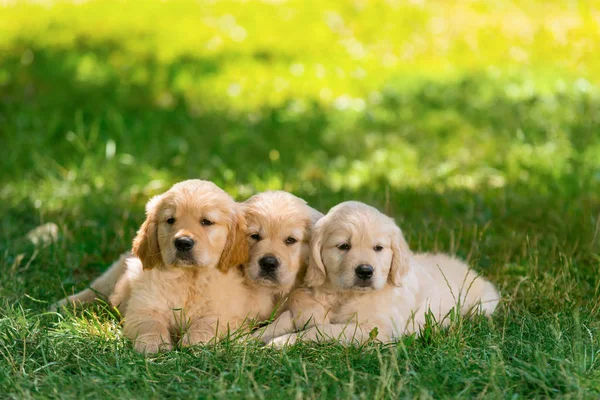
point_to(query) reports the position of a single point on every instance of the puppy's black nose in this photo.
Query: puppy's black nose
(268, 263)
(184, 243)
(364, 271)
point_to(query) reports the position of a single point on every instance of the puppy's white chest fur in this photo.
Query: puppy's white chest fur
(385, 309)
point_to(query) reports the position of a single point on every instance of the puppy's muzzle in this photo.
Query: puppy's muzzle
(184, 244)
(364, 272)
(268, 264)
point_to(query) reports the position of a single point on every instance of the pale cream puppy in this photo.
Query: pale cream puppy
(363, 276)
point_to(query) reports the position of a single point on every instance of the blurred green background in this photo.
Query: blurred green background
(123, 97)
(476, 124)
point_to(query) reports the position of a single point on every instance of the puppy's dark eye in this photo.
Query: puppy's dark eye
(206, 222)
(171, 221)
(344, 246)
(378, 248)
(290, 240)
(255, 236)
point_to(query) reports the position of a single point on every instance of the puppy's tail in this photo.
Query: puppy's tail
(101, 288)
(490, 297)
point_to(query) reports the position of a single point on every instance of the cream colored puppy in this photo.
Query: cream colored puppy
(363, 281)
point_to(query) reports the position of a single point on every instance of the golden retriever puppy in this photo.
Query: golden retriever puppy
(363, 281)
(184, 281)
(279, 229)
(189, 247)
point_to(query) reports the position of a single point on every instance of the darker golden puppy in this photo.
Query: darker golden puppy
(188, 248)
(182, 281)
(279, 230)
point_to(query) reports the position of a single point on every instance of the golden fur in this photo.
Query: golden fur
(336, 304)
(175, 295)
(273, 218)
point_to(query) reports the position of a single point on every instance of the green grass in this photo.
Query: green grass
(475, 124)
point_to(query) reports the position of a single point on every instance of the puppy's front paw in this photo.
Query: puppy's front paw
(193, 337)
(152, 344)
(283, 341)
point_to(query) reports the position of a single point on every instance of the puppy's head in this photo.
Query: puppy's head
(356, 247)
(193, 224)
(279, 229)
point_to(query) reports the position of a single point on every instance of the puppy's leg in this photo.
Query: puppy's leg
(101, 288)
(148, 328)
(305, 312)
(344, 334)
(415, 321)
(282, 325)
(317, 333)
(86, 296)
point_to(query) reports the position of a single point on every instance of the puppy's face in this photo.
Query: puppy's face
(355, 247)
(194, 224)
(279, 228)
(357, 255)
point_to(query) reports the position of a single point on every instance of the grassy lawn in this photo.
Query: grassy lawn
(475, 124)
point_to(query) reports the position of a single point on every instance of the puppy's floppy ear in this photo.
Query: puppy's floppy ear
(315, 272)
(236, 247)
(145, 244)
(401, 256)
